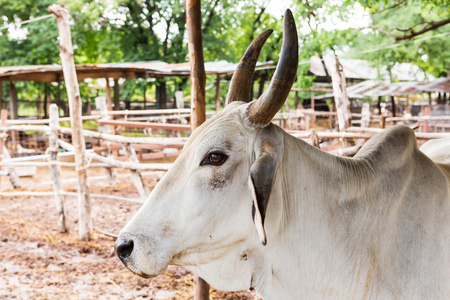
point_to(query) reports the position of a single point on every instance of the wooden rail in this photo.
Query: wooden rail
(168, 126)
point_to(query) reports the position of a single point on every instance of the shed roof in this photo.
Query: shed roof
(52, 73)
(441, 85)
(375, 88)
(361, 69)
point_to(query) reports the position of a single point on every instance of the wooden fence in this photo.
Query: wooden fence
(109, 142)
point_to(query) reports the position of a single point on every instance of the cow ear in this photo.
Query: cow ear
(260, 182)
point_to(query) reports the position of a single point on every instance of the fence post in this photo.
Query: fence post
(426, 112)
(340, 94)
(4, 116)
(100, 103)
(179, 102)
(365, 120)
(55, 170)
(136, 175)
(218, 92)
(73, 94)
(12, 174)
(314, 138)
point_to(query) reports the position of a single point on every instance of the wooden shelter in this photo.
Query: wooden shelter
(116, 71)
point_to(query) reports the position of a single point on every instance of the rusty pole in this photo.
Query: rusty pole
(198, 76)
(198, 103)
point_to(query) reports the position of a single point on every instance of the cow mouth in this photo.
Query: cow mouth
(143, 275)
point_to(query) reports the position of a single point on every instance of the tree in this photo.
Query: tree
(417, 28)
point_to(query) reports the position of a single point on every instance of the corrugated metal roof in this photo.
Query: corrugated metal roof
(441, 85)
(50, 73)
(361, 69)
(375, 88)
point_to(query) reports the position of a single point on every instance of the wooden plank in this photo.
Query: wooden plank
(357, 133)
(149, 112)
(47, 121)
(73, 93)
(125, 139)
(333, 135)
(116, 146)
(168, 126)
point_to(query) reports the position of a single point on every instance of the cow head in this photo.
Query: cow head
(203, 212)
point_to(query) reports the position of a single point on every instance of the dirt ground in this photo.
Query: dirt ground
(38, 262)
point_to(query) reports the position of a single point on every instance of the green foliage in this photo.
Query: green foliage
(40, 45)
(389, 19)
(145, 30)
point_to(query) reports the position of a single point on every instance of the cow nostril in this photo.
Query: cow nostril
(124, 249)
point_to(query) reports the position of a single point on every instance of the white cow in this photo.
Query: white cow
(376, 226)
(438, 150)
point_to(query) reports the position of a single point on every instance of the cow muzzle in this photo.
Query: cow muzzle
(143, 255)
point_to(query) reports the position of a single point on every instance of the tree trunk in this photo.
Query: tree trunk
(73, 94)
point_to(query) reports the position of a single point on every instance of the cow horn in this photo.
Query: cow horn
(241, 83)
(264, 109)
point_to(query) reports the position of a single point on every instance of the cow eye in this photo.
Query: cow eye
(214, 158)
